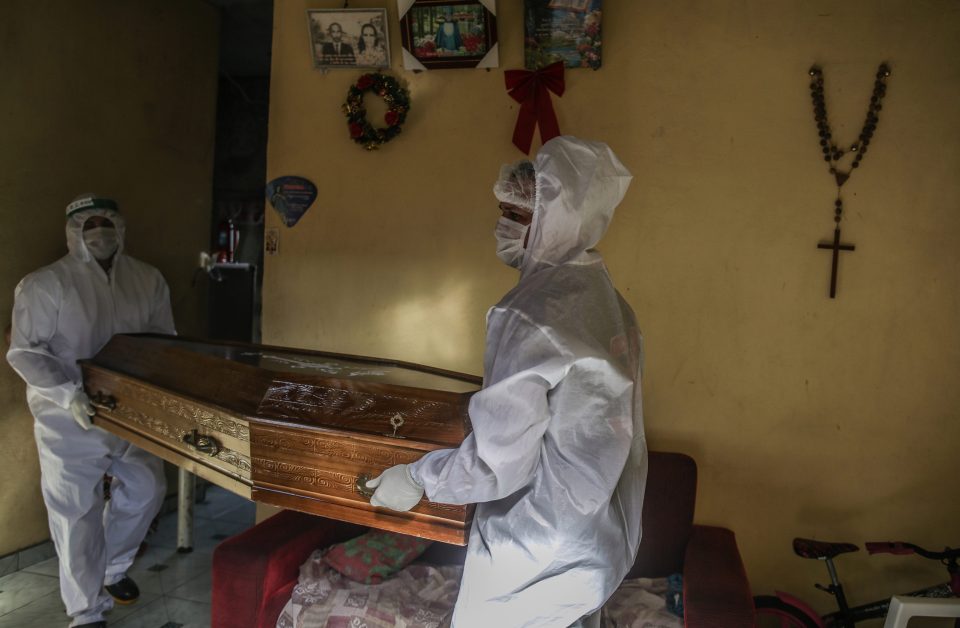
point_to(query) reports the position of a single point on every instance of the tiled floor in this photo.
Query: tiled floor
(174, 588)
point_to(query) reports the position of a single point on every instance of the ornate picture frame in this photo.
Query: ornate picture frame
(349, 38)
(441, 34)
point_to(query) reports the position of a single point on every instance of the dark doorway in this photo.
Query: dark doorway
(240, 166)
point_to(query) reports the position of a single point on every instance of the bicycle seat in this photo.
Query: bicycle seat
(808, 548)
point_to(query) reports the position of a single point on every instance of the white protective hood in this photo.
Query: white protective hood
(579, 184)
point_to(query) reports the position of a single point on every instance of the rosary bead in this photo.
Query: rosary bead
(827, 158)
(836, 218)
(839, 211)
(855, 164)
(823, 142)
(854, 148)
(814, 70)
(838, 202)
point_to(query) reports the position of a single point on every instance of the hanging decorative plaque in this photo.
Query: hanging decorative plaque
(291, 197)
(562, 30)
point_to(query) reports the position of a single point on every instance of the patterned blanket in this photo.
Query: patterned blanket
(419, 596)
(422, 596)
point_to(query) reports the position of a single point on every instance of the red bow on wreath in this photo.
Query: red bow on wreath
(532, 91)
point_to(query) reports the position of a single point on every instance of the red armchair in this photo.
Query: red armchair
(254, 572)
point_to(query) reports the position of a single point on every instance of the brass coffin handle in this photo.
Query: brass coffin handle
(202, 443)
(102, 401)
(361, 485)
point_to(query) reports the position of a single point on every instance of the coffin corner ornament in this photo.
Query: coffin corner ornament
(291, 197)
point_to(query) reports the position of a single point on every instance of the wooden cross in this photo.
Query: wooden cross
(836, 247)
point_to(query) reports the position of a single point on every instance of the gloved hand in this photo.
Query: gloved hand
(82, 409)
(396, 489)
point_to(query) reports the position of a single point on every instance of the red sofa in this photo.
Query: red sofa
(254, 572)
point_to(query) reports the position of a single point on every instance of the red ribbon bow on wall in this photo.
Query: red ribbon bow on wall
(532, 90)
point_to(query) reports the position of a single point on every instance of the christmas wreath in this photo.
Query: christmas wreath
(398, 103)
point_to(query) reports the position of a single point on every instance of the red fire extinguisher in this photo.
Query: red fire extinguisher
(228, 237)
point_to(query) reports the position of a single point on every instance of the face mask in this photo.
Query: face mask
(102, 242)
(510, 236)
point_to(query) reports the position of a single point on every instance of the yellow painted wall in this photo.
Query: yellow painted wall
(835, 419)
(117, 98)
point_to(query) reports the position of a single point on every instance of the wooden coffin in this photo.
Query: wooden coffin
(292, 428)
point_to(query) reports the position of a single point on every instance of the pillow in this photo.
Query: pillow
(374, 556)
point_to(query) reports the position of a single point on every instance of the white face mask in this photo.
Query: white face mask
(102, 242)
(510, 236)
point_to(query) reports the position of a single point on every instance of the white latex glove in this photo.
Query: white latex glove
(82, 410)
(396, 489)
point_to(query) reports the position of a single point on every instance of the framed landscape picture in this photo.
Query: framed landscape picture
(448, 34)
(562, 30)
(349, 38)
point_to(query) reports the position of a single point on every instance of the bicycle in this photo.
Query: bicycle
(794, 613)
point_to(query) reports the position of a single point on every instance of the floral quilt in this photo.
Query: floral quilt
(419, 596)
(422, 596)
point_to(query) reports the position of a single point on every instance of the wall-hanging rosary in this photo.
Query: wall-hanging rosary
(832, 153)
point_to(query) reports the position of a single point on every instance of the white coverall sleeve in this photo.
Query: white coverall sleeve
(36, 308)
(161, 315)
(509, 416)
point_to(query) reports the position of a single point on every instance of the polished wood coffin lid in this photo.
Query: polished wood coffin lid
(289, 427)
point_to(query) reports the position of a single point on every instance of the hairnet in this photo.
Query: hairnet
(517, 185)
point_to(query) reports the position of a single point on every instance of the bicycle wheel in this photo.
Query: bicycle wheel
(771, 612)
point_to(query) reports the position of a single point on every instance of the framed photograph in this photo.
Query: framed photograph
(562, 30)
(440, 34)
(349, 38)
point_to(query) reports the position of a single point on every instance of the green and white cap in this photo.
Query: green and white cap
(90, 201)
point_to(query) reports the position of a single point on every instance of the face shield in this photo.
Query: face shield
(516, 190)
(95, 228)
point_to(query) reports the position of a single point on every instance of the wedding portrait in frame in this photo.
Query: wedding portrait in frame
(440, 34)
(349, 38)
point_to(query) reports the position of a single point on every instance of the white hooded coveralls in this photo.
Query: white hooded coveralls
(62, 313)
(557, 459)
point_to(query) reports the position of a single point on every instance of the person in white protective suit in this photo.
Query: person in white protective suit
(557, 460)
(62, 313)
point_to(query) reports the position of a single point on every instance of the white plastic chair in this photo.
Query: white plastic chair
(902, 608)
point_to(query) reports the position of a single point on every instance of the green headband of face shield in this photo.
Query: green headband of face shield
(91, 203)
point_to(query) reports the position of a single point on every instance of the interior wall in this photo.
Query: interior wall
(808, 416)
(116, 98)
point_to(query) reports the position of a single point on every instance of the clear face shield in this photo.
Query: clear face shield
(516, 191)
